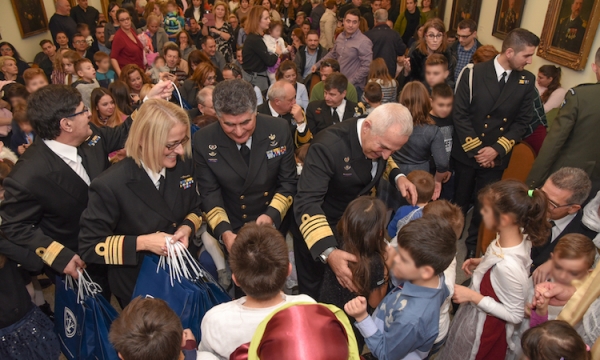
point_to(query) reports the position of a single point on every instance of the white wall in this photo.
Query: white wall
(9, 29)
(534, 15)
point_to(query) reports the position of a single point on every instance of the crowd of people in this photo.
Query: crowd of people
(365, 135)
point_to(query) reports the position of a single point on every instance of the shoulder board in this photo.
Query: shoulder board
(587, 84)
(572, 91)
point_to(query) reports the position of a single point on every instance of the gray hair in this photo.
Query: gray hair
(387, 115)
(277, 90)
(204, 93)
(234, 97)
(575, 180)
(381, 16)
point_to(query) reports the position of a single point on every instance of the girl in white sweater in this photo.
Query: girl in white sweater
(272, 39)
(494, 304)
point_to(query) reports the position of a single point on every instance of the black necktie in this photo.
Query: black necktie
(161, 186)
(502, 81)
(552, 223)
(245, 151)
(335, 116)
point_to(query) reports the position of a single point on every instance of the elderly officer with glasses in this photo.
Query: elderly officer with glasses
(47, 191)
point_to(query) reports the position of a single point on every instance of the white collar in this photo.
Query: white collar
(500, 69)
(63, 150)
(273, 112)
(248, 143)
(358, 130)
(561, 224)
(155, 176)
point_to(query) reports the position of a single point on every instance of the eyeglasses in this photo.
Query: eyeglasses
(435, 37)
(79, 41)
(127, 19)
(464, 36)
(174, 145)
(85, 110)
(211, 78)
(553, 204)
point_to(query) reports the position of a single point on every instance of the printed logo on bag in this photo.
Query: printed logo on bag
(148, 296)
(70, 323)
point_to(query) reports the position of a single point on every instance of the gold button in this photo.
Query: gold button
(243, 207)
(266, 194)
(174, 225)
(242, 197)
(244, 216)
(267, 203)
(488, 116)
(501, 129)
(505, 119)
(482, 135)
(485, 126)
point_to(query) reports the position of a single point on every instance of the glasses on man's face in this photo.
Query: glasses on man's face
(434, 36)
(85, 110)
(464, 36)
(174, 145)
(79, 41)
(554, 205)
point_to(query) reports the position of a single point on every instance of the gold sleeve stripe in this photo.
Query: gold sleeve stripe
(111, 249)
(50, 253)
(195, 219)
(216, 216)
(314, 228)
(301, 140)
(471, 144)
(281, 203)
(506, 144)
(390, 165)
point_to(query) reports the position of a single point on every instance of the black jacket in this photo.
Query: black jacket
(417, 66)
(387, 44)
(300, 60)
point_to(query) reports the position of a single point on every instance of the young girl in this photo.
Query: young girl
(491, 308)
(68, 60)
(378, 72)
(272, 39)
(554, 340)
(361, 230)
(426, 140)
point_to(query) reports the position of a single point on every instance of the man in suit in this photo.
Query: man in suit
(345, 161)
(567, 189)
(387, 43)
(334, 109)
(308, 55)
(245, 167)
(490, 116)
(572, 140)
(47, 190)
(282, 104)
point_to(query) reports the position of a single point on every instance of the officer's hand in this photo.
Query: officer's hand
(298, 114)
(264, 219)
(162, 90)
(542, 273)
(155, 243)
(183, 235)
(407, 189)
(228, 238)
(486, 155)
(357, 308)
(338, 262)
(73, 266)
(558, 294)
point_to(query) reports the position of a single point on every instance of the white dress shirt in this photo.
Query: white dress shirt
(69, 155)
(155, 176)
(560, 225)
(248, 144)
(341, 109)
(500, 70)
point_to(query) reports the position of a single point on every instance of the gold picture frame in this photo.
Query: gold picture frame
(565, 41)
(31, 17)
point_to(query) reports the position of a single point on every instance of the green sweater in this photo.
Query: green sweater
(401, 22)
(318, 92)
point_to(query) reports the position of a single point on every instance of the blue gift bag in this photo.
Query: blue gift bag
(69, 316)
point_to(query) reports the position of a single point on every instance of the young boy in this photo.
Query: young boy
(34, 78)
(104, 75)
(373, 96)
(442, 99)
(443, 209)
(406, 322)
(87, 80)
(259, 265)
(436, 70)
(173, 22)
(24, 135)
(425, 184)
(149, 329)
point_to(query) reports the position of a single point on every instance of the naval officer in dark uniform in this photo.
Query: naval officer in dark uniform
(492, 109)
(144, 199)
(344, 161)
(245, 165)
(570, 30)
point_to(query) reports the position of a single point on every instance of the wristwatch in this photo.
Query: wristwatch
(325, 254)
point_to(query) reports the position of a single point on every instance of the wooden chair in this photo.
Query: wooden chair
(518, 168)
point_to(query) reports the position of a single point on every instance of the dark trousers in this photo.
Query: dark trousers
(469, 181)
(310, 271)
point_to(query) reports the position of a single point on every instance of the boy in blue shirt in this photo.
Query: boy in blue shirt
(406, 322)
(425, 184)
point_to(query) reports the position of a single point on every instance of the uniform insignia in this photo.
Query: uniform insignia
(272, 137)
(212, 147)
(212, 153)
(523, 81)
(318, 111)
(276, 152)
(563, 103)
(572, 91)
(347, 167)
(212, 160)
(186, 183)
(346, 159)
(273, 143)
(94, 140)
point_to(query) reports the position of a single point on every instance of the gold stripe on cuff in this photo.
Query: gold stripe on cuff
(471, 143)
(195, 219)
(51, 252)
(281, 203)
(314, 228)
(216, 216)
(390, 165)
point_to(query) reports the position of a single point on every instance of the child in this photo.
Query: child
(104, 75)
(159, 66)
(239, 59)
(554, 340)
(491, 308)
(34, 78)
(426, 140)
(300, 155)
(436, 70)
(84, 30)
(173, 22)
(260, 265)
(405, 324)
(149, 329)
(378, 73)
(272, 40)
(373, 96)
(442, 209)
(425, 185)
(68, 60)
(87, 80)
(442, 99)
(361, 233)
(22, 142)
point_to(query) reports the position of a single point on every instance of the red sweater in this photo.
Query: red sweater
(126, 51)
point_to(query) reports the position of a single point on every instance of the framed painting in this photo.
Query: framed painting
(464, 9)
(508, 16)
(31, 17)
(569, 31)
